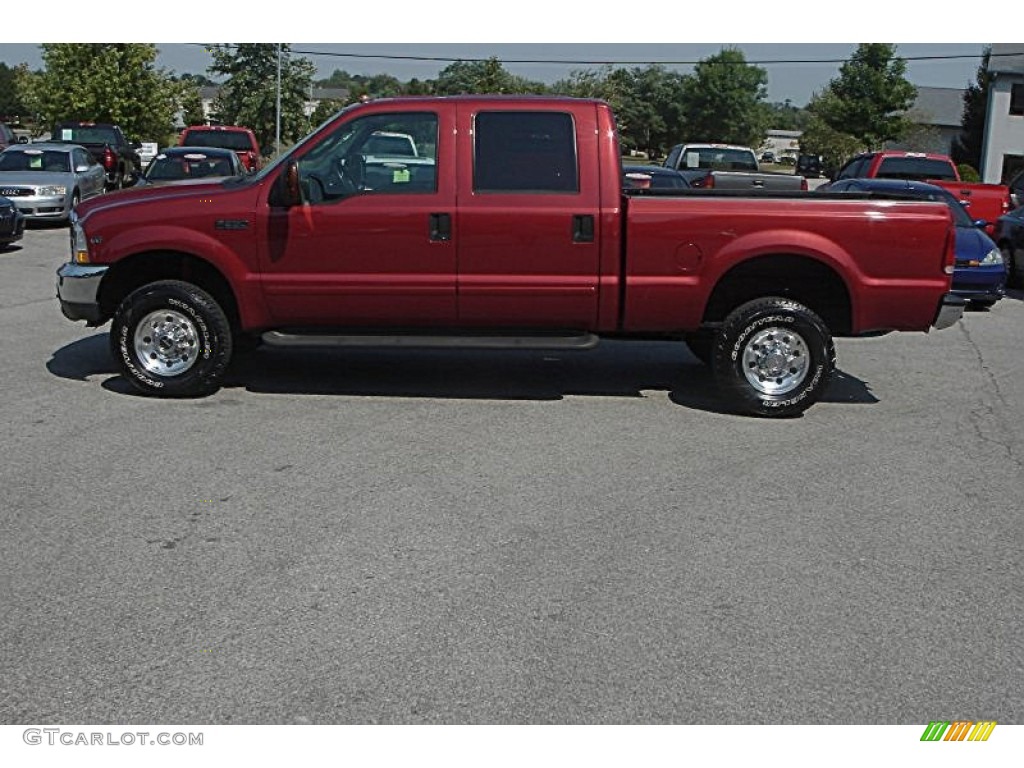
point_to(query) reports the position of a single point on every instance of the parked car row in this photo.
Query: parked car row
(44, 181)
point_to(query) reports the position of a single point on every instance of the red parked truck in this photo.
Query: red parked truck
(511, 230)
(240, 140)
(984, 202)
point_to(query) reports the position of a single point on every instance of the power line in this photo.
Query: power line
(612, 62)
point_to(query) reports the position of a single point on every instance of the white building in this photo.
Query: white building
(1002, 154)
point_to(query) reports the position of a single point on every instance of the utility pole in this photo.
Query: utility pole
(277, 135)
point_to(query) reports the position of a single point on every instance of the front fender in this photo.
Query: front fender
(230, 253)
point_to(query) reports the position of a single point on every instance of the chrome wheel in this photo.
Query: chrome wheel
(166, 342)
(775, 361)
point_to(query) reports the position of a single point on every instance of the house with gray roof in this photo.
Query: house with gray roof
(936, 114)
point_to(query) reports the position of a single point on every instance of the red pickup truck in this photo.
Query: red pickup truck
(984, 202)
(508, 229)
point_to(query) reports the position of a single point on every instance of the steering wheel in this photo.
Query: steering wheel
(352, 170)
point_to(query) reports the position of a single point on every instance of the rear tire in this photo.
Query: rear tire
(774, 357)
(171, 339)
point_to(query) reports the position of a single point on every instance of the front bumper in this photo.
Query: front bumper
(78, 291)
(951, 309)
(49, 207)
(980, 283)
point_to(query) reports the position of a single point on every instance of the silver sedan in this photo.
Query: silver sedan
(45, 181)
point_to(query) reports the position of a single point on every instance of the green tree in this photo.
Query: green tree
(724, 100)
(200, 81)
(647, 102)
(967, 146)
(417, 87)
(784, 116)
(325, 109)
(249, 94)
(871, 96)
(106, 82)
(651, 105)
(189, 101)
(11, 101)
(820, 138)
(474, 77)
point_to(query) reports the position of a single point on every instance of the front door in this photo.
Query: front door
(371, 244)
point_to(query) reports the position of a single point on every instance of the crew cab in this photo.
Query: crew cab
(984, 202)
(108, 144)
(517, 235)
(727, 166)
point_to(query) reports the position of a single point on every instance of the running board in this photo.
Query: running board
(433, 341)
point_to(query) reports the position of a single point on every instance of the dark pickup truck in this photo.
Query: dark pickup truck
(107, 143)
(509, 229)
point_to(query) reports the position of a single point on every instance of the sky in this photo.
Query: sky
(795, 31)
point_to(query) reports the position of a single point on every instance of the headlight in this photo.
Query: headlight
(79, 244)
(992, 258)
(51, 191)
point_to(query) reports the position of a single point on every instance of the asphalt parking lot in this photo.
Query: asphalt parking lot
(457, 537)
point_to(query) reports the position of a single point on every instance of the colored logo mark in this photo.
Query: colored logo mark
(958, 730)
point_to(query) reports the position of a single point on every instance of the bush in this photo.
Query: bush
(967, 173)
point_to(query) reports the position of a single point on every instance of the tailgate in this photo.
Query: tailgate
(778, 182)
(982, 201)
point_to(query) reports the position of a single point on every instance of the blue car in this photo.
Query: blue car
(979, 274)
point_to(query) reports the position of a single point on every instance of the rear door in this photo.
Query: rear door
(527, 222)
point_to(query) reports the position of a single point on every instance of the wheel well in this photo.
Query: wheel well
(814, 284)
(135, 271)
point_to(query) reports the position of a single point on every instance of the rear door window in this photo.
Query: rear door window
(525, 152)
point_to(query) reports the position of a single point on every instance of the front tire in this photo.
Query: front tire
(774, 357)
(171, 339)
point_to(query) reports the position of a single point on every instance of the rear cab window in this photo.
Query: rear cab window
(915, 168)
(234, 140)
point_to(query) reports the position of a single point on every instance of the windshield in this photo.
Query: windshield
(235, 140)
(87, 134)
(45, 161)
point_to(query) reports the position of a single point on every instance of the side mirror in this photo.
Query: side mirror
(287, 192)
(136, 145)
(81, 168)
(980, 223)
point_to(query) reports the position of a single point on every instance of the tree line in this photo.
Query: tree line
(724, 99)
